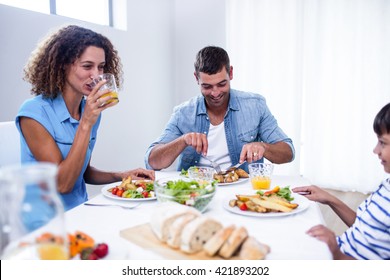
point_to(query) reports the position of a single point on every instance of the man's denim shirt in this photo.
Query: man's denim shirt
(247, 120)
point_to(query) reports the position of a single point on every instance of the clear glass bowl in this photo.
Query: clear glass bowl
(191, 192)
(201, 173)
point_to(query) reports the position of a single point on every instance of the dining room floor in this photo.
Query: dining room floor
(352, 199)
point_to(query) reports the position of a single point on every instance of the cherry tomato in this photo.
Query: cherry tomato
(145, 194)
(243, 207)
(114, 191)
(194, 194)
(119, 192)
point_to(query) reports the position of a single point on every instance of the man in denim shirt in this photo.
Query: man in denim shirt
(227, 125)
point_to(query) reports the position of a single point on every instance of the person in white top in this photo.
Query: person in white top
(368, 235)
(226, 125)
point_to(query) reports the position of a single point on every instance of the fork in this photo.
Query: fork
(121, 206)
(214, 164)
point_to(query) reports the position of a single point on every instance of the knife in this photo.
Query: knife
(236, 165)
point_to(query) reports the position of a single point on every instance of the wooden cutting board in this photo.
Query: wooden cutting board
(143, 236)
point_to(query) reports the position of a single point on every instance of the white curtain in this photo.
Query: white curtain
(324, 68)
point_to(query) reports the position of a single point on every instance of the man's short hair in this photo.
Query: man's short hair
(211, 60)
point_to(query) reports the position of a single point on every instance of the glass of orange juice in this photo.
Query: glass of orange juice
(260, 174)
(109, 85)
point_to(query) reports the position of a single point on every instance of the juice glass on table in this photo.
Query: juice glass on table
(260, 175)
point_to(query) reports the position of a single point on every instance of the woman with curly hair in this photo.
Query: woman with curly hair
(60, 123)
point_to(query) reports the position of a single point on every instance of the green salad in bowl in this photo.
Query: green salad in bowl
(190, 192)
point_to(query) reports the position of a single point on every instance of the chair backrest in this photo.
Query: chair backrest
(9, 144)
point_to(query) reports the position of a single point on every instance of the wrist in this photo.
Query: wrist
(118, 176)
(183, 141)
(264, 146)
(84, 126)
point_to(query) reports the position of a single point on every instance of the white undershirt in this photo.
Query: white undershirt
(218, 150)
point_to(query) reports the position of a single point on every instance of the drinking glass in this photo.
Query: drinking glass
(110, 85)
(260, 174)
(29, 200)
(201, 173)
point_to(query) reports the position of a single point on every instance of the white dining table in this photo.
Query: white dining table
(285, 235)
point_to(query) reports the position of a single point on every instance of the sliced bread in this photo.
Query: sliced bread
(215, 243)
(165, 214)
(197, 232)
(233, 242)
(252, 249)
(176, 228)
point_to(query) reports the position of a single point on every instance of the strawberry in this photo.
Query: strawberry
(101, 250)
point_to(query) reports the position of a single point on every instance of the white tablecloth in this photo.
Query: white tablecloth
(285, 235)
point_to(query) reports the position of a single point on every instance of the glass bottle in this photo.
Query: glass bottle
(31, 213)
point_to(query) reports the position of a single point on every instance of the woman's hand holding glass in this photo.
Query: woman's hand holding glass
(107, 93)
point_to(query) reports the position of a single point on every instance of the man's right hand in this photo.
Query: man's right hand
(198, 141)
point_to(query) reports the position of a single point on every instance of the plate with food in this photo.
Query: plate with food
(233, 176)
(239, 181)
(131, 190)
(277, 202)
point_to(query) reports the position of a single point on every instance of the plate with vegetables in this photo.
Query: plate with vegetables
(131, 190)
(273, 203)
(224, 178)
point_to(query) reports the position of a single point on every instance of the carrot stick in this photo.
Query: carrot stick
(274, 190)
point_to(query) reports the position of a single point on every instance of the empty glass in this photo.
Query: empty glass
(201, 173)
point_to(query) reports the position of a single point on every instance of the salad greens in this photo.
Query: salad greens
(184, 172)
(194, 193)
(282, 192)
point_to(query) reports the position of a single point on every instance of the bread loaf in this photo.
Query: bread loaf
(252, 249)
(165, 214)
(233, 242)
(197, 232)
(176, 228)
(185, 228)
(215, 243)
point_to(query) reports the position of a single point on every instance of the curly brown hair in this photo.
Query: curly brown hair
(45, 69)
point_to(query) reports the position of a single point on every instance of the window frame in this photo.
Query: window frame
(53, 11)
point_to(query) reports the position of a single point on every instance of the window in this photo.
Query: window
(95, 11)
(42, 6)
(324, 68)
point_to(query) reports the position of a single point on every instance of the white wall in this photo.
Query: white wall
(196, 24)
(157, 52)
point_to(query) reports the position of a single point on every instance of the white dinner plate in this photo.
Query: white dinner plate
(239, 181)
(108, 194)
(302, 201)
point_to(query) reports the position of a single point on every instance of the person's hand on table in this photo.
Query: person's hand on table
(141, 174)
